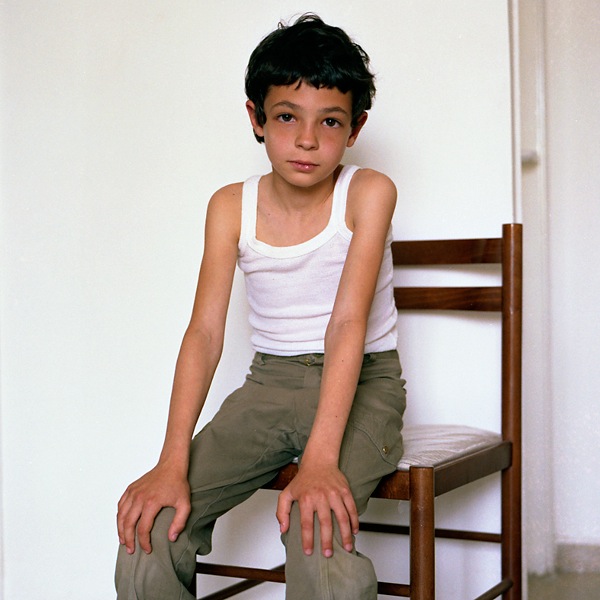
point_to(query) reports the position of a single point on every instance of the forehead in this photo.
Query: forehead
(306, 96)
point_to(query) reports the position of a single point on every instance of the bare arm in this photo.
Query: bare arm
(166, 484)
(320, 487)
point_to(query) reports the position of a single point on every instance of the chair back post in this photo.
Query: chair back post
(512, 290)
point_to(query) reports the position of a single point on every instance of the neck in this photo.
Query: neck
(296, 198)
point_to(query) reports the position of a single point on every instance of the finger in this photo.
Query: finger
(120, 527)
(326, 529)
(352, 513)
(129, 538)
(344, 524)
(182, 512)
(145, 526)
(284, 507)
(351, 510)
(128, 517)
(307, 528)
(122, 509)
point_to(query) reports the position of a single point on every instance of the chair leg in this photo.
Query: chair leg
(511, 532)
(422, 534)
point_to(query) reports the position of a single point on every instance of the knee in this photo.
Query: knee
(149, 576)
(348, 575)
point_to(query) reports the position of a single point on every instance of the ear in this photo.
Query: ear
(356, 130)
(256, 126)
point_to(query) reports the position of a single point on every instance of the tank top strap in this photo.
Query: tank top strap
(250, 205)
(340, 196)
(249, 208)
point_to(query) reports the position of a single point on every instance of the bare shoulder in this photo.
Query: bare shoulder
(224, 212)
(377, 182)
(227, 197)
(371, 194)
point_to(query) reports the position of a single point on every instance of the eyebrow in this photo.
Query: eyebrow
(326, 110)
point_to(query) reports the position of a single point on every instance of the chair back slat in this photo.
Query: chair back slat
(449, 298)
(506, 299)
(447, 252)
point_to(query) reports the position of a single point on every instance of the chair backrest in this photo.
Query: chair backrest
(505, 298)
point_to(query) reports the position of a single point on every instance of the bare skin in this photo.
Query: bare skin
(306, 133)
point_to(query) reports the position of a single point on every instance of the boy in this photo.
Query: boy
(313, 240)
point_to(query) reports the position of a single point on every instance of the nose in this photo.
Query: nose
(307, 137)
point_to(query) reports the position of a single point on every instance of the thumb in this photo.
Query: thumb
(284, 507)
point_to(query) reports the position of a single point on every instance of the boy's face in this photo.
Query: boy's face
(306, 131)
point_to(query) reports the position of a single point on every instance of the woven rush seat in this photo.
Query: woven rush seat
(435, 445)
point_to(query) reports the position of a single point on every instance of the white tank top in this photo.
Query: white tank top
(291, 289)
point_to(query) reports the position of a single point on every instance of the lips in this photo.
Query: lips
(303, 165)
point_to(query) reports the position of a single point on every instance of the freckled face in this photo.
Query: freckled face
(306, 131)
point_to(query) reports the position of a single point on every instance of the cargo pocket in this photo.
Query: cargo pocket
(383, 431)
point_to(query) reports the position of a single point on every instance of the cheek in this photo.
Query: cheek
(275, 147)
(335, 143)
(336, 137)
(273, 132)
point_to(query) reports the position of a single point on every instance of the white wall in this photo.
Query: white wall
(538, 509)
(573, 100)
(119, 120)
(560, 59)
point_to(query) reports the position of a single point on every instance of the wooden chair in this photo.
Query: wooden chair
(437, 458)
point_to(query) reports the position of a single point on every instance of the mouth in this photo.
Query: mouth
(303, 165)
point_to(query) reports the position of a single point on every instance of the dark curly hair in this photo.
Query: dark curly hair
(313, 52)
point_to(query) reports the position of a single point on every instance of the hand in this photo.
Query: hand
(144, 499)
(320, 489)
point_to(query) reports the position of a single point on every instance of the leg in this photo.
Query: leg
(233, 456)
(371, 448)
(344, 576)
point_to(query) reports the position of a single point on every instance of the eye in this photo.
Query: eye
(331, 122)
(285, 117)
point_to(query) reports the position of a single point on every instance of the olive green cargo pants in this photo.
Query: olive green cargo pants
(259, 428)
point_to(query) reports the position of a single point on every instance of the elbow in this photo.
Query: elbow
(205, 341)
(346, 331)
